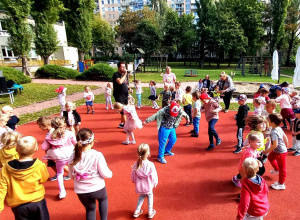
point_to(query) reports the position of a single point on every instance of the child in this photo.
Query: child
(187, 102)
(9, 142)
(144, 176)
(254, 202)
(278, 150)
(211, 88)
(153, 95)
(131, 123)
(21, 183)
(168, 119)
(59, 146)
(108, 89)
(296, 136)
(89, 99)
(3, 121)
(179, 92)
(13, 119)
(257, 105)
(138, 93)
(72, 117)
(167, 95)
(197, 114)
(270, 108)
(263, 96)
(88, 169)
(61, 98)
(295, 102)
(240, 121)
(216, 93)
(200, 84)
(173, 93)
(211, 109)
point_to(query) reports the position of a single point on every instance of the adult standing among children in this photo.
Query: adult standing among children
(206, 82)
(120, 88)
(226, 89)
(169, 78)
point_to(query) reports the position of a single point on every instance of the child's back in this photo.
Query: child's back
(8, 154)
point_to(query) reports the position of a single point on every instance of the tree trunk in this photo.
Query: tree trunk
(81, 56)
(25, 68)
(46, 60)
(290, 49)
(201, 63)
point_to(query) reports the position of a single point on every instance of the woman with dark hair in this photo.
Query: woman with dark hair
(273, 90)
(226, 88)
(206, 82)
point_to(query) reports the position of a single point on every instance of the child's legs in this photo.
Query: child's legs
(273, 161)
(297, 145)
(250, 217)
(155, 104)
(127, 135)
(172, 140)
(103, 203)
(185, 108)
(132, 135)
(89, 204)
(140, 202)
(150, 202)
(60, 174)
(163, 135)
(212, 131)
(261, 170)
(239, 136)
(62, 108)
(281, 161)
(196, 124)
(76, 128)
(189, 111)
(107, 101)
(139, 98)
(33, 210)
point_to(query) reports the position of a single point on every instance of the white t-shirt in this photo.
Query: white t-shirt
(107, 91)
(197, 106)
(138, 89)
(71, 118)
(89, 96)
(257, 111)
(284, 101)
(169, 79)
(263, 102)
(62, 97)
(179, 94)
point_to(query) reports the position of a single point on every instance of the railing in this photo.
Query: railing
(18, 63)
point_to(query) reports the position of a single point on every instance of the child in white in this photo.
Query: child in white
(62, 98)
(257, 105)
(138, 93)
(3, 128)
(145, 177)
(179, 93)
(108, 96)
(263, 95)
(89, 99)
(59, 146)
(131, 123)
(88, 169)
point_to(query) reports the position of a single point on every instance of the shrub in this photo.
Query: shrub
(56, 72)
(99, 72)
(15, 75)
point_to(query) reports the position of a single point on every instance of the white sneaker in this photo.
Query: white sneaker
(278, 186)
(106, 107)
(274, 172)
(132, 142)
(62, 195)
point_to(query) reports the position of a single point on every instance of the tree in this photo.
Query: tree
(103, 35)
(78, 18)
(19, 30)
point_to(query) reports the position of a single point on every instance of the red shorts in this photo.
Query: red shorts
(287, 113)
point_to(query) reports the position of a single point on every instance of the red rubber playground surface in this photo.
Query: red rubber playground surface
(194, 184)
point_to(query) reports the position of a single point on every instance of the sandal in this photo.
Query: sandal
(125, 142)
(137, 214)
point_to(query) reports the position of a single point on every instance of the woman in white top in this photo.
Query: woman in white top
(169, 78)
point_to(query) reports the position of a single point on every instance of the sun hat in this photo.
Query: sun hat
(174, 109)
(60, 89)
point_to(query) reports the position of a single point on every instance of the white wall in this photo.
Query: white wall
(71, 53)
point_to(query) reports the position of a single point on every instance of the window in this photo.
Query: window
(102, 2)
(32, 53)
(118, 1)
(109, 15)
(113, 8)
(113, 1)
(103, 9)
(3, 25)
(188, 7)
(7, 52)
(119, 8)
(109, 9)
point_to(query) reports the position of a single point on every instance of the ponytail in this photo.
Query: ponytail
(143, 154)
(78, 152)
(58, 123)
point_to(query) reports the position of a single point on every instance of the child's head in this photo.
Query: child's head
(44, 123)
(200, 80)
(27, 146)
(84, 137)
(242, 98)
(10, 139)
(60, 89)
(275, 119)
(188, 89)
(216, 87)
(177, 84)
(3, 120)
(257, 102)
(166, 87)
(171, 88)
(270, 106)
(253, 121)
(254, 140)
(152, 83)
(7, 110)
(143, 153)
(207, 77)
(294, 94)
(109, 85)
(138, 81)
(196, 95)
(204, 90)
(286, 90)
(70, 106)
(204, 98)
(264, 92)
(59, 125)
(118, 107)
(87, 89)
(250, 167)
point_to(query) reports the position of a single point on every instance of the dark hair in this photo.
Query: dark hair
(188, 89)
(264, 90)
(275, 118)
(284, 84)
(196, 95)
(253, 121)
(120, 63)
(153, 82)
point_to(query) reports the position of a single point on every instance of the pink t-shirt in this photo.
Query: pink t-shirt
(284, 101)
(170, 79)
(247, 153)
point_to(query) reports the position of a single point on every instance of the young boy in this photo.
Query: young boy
(240, 121)
(21, 183)
(166, 96)
(168, 119)
(216, 93)
(296, 136)
(197, 114)
(187, 102)
(13, 119)
(254, 203)
(277, 150)
(173, 93)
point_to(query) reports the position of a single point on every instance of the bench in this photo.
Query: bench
(15, 88)
(191, 73)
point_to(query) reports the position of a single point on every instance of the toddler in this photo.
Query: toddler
(8, 151)
(88, 169)
(59, 146)
(216, 93)
(295, 102)
(187, 102)
(254, 202)
(263, 95)
(144, 176)
(72, 117)
(131, 123)
(179, 92)
(196, 114)
(3, 121)
(21, 183)
(61, 98)
(296, 136)
(153, 95)
(167, 95)
(200, 84)
(89, 99)
(173, 93)
(108, 89)
(13, 119)
(138, 93)
(257, 104)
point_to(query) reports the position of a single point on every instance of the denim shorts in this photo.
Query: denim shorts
(89, 103)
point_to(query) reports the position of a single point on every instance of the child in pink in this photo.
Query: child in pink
(144, 176)
(59, 146)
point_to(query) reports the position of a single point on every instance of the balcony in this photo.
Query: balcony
(4, 33)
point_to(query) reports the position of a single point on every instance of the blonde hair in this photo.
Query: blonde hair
(254, 135)
(271, 102)
(4, 117)
(251, 167)
(118, 105)
(10, 139)
(72, 105)
(44, 121)
(6, 108)
(257, 101)
(223, 75)
(58, 123)
(88, 88)
(26, 146)
(143, 154)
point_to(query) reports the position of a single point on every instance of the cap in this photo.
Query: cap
(60, 89)
(204, 96)
(286, 90)
(261, 85)
(241, 97)
(174, 109)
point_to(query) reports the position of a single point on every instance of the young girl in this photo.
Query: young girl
(72, 117)
(257, 104)
(263, 95)
(108, 89)
(144, 176)
(200, 84)
(138, 93)
(61, 98)
(88, 169)
(153, 95)
(59, 146)
(9, 142)
(131, 123)
(89, 98)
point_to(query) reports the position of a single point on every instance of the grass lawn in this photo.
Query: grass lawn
(34, 93)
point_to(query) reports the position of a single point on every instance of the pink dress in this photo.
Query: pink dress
(133, 120)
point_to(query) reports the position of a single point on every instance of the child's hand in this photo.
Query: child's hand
(144, 123)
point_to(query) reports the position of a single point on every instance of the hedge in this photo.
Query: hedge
(56, 72)
(15, 75)
(98, 72)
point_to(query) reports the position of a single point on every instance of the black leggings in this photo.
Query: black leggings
(32, 210)
(227, 98)
(88, 200)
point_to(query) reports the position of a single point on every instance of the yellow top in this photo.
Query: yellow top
(8, 154)
(187, 99)
(22, 186)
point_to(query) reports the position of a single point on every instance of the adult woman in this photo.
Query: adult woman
(226, 89)
(169, 78)
(206, 82)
